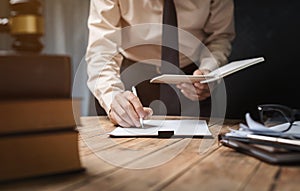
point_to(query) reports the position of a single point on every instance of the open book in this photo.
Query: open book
(212, 76)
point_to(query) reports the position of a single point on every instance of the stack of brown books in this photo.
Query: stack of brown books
(37, 116)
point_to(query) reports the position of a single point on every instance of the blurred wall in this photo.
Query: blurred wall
(271, 29)
(5, 39)
(65, 33)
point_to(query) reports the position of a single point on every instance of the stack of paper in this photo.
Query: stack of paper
(255, 128)
(268, 144)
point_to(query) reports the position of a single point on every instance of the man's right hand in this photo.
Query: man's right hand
(126, 109)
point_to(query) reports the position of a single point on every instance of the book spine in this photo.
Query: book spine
(38, 115)
(34, 76)
(36, 155)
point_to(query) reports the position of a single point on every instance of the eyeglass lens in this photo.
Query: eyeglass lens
(276, 119)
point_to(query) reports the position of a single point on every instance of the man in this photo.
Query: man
(209, 21)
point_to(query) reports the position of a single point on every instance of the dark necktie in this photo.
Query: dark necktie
(169, 57)
(169, 52)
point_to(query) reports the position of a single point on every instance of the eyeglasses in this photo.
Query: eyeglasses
(278, 117)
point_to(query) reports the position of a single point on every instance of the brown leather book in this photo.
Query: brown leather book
(34, 76)
(24, 116)
(39, 154)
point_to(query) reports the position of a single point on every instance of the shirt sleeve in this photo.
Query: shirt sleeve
(103, 57)
(220, 31)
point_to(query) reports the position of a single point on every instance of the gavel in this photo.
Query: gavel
(25, 24)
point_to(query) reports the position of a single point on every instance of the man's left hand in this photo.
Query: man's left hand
(195, 91)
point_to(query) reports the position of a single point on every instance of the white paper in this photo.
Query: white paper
(235, 66)
(152, 127)
(294, 131)
(212, 76)
(254, 127)
(177, 79)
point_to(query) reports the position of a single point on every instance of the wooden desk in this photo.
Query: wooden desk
(219, 168)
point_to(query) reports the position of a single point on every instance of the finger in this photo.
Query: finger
(204, 89)
(119, 120)
(209, 86)
(198, 72)
(200, 86)
(149, 112)
(204, 97)
(130, 112)
(121, 112)
(112, 117)
(201, 72)
(137, 105)
(189, 88)
(207, 94)
(195, 97)
(199, 89)
(123, 107)
(189, 94)
(192, 97)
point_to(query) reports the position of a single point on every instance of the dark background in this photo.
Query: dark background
(270, 29)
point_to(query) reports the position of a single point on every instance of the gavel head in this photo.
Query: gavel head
(26, 25)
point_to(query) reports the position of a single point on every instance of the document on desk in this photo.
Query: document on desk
(169, 128)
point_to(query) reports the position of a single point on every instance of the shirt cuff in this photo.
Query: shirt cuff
(209, 64)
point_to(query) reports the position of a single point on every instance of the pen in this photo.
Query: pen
(275, 139)
(135, 93)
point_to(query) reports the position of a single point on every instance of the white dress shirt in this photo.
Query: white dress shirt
(132, 29)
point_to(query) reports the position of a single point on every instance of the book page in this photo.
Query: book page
(211, 77)
(235, 66)
(177, 79)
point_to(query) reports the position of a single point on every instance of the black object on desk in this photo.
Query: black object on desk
(282, 157)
